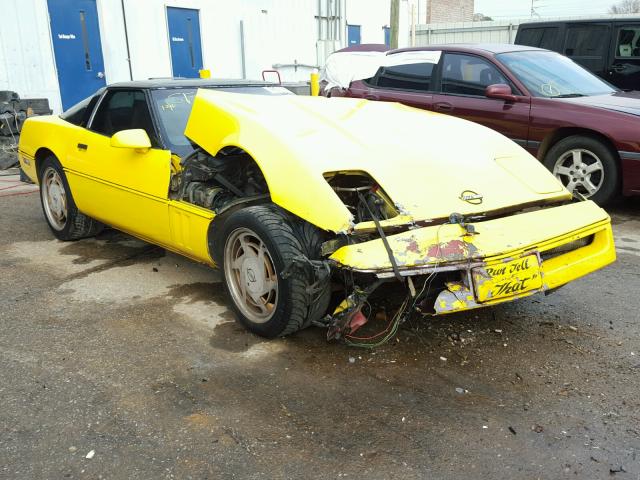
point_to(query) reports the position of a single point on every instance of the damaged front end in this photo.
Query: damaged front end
(459, 265)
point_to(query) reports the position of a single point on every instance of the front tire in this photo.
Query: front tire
(255, 245)
(60, 211)
(585, 165)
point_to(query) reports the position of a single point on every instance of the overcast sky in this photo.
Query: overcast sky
(546, 8)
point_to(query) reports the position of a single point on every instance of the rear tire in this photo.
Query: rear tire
(586, 165)
(255, 245)
(60, 211)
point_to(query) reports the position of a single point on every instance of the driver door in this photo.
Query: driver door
(463, 81)
(123, 187)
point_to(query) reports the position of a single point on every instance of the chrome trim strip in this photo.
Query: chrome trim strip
(425, 270)
(95, 109)
(532, 144)
(629, 155)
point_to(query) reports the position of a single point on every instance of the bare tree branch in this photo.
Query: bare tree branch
(625, 6)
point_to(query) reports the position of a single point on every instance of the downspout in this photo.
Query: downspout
(126, 38)
(242, 52)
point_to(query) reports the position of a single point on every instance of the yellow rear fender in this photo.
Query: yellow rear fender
(49, 130)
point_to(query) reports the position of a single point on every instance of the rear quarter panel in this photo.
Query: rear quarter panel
(47, 132)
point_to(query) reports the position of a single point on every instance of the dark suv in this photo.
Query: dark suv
(609, 48)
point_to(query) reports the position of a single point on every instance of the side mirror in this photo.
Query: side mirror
(500, 91)
(135, 138)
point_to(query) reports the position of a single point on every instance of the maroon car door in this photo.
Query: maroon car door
(409, 83)
(462, 85)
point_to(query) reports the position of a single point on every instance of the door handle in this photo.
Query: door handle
(443, 107)
(372, 97)
(618, 68)
(82, 146)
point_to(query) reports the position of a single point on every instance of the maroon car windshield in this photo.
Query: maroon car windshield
(548, 74)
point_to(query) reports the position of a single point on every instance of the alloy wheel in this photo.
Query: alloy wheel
(250, 275)
(580, 171)
(54, 198)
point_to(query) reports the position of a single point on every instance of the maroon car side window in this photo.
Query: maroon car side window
(469, 75)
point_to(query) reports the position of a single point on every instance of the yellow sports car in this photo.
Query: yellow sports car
(314, 208)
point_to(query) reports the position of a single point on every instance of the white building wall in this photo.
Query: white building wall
(26, 54)
(275, 32)
(280, 32)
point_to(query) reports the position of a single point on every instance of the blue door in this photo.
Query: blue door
(77, 48)
(353, 34)
(184, 39)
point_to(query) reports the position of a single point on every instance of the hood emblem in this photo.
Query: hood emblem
(471, 197)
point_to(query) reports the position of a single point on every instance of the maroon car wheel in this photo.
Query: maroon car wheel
(586, 166)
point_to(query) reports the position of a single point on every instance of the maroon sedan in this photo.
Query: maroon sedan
(583, 129)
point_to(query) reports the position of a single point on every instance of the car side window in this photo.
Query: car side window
(541, 37)
(586, 40)
(410, 76)
(124, 110)
(628, 43)
(469, 75)
(80, 113)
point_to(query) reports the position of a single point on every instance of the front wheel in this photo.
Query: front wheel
(60, 211)
(255, 246)
(587, 166)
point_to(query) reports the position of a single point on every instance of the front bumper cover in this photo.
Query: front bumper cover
(449, 247)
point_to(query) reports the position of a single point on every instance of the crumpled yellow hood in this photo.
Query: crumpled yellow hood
(424, 161)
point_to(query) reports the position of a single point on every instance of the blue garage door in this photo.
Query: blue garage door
(77, 48)
(184, 38)
(353, 34)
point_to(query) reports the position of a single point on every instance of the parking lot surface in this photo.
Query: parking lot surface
(120, 360)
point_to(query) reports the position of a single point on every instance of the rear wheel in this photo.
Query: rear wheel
(585, 165)
(256, 244)
(60, 211)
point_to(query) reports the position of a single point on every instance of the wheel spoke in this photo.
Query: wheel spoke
(577, 158)
(563, 171)
(243, 287)
(262, 307)
(571, 186)
(589, 186)
(261, 251)
(270, 285)
(244, 245)
(593, 168)
(237, 263)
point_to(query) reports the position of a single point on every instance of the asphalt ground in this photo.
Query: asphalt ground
(115, 350)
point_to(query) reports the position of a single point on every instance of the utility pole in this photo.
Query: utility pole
(533, 9)
(395, 23)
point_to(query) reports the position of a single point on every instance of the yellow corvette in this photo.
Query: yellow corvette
(314, 208)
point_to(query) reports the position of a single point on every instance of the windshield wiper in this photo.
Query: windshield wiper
(569, 95)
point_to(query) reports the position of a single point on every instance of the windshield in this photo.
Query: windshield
(551, 75)
(173, 106)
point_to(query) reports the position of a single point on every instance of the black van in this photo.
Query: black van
(609, 48)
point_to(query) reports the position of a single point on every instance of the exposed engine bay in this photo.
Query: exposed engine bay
(216, 182)
(364, 198)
